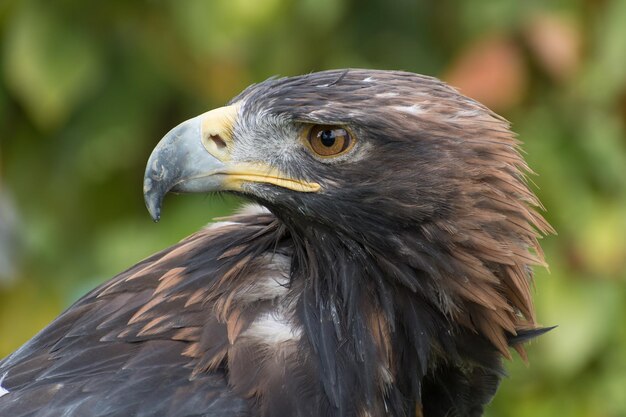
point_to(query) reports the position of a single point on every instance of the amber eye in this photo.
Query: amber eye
(329, 140)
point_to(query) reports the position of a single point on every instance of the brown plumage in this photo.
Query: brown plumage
(387, 271)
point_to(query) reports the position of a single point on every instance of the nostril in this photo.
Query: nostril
(218, 141)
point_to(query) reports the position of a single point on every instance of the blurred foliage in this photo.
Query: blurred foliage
(87, 88)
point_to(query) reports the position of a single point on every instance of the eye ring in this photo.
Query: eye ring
(328, 141)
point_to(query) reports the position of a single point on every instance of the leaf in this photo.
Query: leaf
(556, 44)
(606, 77)
(492, 71)
(585, 312)
(47, 66)
(221, 25)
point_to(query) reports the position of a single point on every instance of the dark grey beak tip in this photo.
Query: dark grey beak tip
(156, 217)
(154, 208)
(153, 197)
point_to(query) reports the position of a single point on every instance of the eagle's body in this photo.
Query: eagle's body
(384, 276)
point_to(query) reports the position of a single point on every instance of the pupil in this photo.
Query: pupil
(328, 138)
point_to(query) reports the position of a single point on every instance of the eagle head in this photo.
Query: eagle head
(402, 197)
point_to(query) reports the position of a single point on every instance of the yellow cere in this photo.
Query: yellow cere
(217, 130)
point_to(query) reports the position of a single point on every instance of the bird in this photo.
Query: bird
(382, 265)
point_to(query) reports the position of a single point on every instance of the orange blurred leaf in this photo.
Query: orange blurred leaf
(555, 42)
(490, 70)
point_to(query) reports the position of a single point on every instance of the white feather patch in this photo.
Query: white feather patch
(387, 95)
(273, 328)
(3, 390)
(268, 288)
(217, 225)
(251, 209)
(415, 109)
(468, 113)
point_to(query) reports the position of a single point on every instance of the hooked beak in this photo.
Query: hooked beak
(195, 157)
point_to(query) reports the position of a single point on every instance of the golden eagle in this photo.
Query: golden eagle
(384, 269)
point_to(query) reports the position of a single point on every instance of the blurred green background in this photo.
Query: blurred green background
(87, 89)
